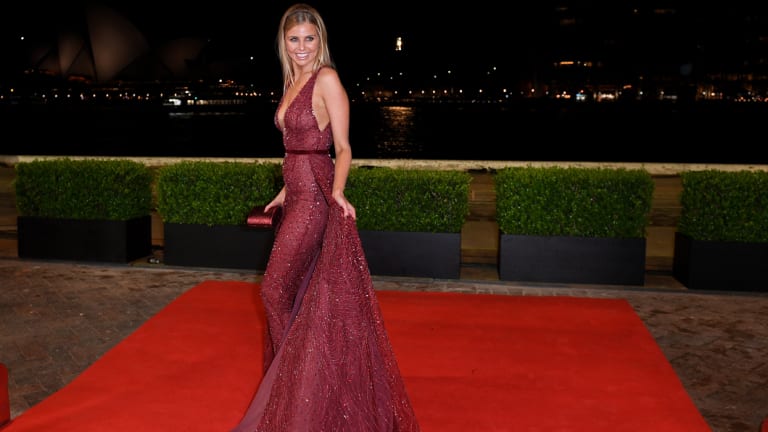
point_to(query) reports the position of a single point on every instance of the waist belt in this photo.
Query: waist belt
(306, 152)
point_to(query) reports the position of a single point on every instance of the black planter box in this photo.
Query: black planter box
(563, 259)
(84, 240)
(218, 246)
(416, 254)
(720, 265)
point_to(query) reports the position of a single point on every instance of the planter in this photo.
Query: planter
(720, 265)
(220, 246)
(417, 254)
(565, 259)
(84, 240)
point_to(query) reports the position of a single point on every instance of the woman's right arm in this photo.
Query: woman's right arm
(277, 201)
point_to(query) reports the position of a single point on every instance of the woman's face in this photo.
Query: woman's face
(302, 43)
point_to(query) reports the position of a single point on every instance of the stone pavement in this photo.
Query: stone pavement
(57, 318)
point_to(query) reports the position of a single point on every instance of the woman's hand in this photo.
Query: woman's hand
(346, 206)
(277, 201)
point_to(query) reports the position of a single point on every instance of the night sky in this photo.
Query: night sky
(433, 32)
(362, 36)
(433, 24)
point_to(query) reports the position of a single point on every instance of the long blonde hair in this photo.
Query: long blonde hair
(302, 13)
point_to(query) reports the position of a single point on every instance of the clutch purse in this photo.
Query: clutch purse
(259, 218)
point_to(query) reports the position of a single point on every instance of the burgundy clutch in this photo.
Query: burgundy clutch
(259, 218)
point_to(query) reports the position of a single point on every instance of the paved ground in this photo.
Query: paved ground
(57, 318)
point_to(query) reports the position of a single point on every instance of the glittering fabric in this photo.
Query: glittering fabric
(329, 365)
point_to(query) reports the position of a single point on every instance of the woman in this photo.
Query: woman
(328, 361)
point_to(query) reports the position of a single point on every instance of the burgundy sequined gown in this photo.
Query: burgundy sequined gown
(328, 361)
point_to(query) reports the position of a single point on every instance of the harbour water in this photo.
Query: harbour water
(722, 133)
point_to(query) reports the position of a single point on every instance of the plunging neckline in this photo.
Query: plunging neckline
(281, 121)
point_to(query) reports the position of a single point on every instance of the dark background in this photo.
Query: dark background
(436, 34)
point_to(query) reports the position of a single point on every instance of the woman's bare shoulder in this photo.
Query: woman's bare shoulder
(328, 76)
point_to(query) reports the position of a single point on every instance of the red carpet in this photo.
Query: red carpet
(5, 403)
(471, 363)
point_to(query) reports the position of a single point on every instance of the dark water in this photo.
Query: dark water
(695, 133)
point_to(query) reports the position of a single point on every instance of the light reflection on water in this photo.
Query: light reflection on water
(396, 131)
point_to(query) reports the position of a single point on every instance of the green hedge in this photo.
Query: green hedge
(578, 202)
(214, 193)
(83, 189)
(724, 205)
(399, 199)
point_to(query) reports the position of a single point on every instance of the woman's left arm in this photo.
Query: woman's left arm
(336, 103)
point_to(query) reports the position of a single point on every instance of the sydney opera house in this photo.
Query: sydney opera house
(108, 46)
(108, 56)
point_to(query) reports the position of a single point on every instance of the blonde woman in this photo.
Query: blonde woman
(329, 365)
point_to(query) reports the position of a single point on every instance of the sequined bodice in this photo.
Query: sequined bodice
(300, 129)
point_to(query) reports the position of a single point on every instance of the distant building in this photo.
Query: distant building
(608, 51)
